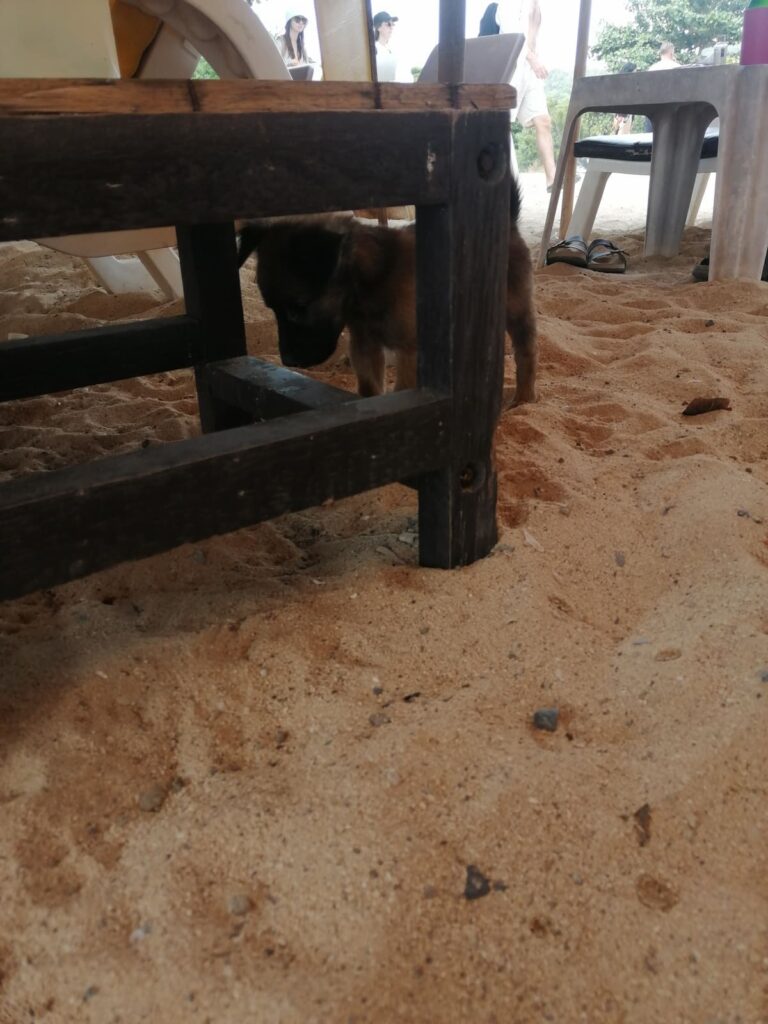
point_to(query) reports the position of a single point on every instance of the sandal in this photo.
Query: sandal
(571, 250)
(701, 271)
(606, 257)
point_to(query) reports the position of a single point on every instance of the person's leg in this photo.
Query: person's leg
(543, 127)
(532, 112)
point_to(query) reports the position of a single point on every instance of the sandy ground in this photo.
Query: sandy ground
(259, 778)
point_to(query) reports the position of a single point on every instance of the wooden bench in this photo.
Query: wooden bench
(92, 156)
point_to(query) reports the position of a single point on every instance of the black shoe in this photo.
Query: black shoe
(701, 271)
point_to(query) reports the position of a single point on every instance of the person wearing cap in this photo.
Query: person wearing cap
(532, 111)
(291, 42)
(386, 62)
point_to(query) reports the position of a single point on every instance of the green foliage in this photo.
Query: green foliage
(558, 89)
(691, 25)
(204, 70)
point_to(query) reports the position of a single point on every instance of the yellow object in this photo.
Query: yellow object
(135, 32)
(36, 41)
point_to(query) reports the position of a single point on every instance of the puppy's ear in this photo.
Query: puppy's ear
(315, 252)
(249, 238)
(367, 256)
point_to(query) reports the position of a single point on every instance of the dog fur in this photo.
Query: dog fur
(319, 274)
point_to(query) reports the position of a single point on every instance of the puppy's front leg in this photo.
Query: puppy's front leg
(368, 363)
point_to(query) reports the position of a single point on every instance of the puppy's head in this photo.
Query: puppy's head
(297, 264)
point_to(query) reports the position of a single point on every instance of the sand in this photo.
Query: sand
(257, 779)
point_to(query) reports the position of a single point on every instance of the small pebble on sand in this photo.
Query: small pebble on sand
(152, 799)
(546, 719)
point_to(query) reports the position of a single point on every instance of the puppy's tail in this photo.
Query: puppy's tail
(515, 200)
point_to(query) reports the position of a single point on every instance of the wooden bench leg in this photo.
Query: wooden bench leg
(208, 255)
(461, 261)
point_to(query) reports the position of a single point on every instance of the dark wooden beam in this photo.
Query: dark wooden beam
(143, 171)
(58, 362)
(266, 391)
(61, 525)
(461, 304)
(208, 256)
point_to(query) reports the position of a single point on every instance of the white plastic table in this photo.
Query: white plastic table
(681, 103)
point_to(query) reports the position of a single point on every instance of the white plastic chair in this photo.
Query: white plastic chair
(488, 60)
(633, 156)
(680, 104)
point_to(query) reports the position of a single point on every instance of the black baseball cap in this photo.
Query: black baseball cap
(381, 17)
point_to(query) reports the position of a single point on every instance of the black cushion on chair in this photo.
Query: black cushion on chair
(635, 148)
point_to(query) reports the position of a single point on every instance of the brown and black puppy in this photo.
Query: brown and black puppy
(318, 275)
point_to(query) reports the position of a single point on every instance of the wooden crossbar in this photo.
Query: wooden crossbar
(58, 362)
(39, 96)
(264, 390)
(72, 173)
(62, 524)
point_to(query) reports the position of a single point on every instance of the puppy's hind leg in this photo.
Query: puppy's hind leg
(405, 369)
(368, 363)
(521, 327)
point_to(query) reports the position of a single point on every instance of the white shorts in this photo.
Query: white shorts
(531, 98)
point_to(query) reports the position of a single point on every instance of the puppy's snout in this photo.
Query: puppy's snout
(305, 346)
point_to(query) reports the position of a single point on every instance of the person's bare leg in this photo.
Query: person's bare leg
(543, 127)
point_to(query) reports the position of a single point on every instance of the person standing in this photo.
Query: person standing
(290, 43)
(667, 59)
(386, 61)
(529, 77)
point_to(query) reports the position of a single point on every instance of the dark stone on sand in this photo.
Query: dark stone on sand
(546, 719)
(152, 799)
(239, 903)
(477, 884)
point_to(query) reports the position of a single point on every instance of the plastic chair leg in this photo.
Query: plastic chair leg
(164, 267)
(566, 146)
(588, 202)
(702, 180)
(122, 275)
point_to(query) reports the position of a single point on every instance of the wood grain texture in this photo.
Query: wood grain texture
(211, 280)
(69, 523)
(265, 391)
(40, 366)
(41, 96)
(71, 174)
(461, 260)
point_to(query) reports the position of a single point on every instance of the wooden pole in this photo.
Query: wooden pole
(579, 70)
(450, 55)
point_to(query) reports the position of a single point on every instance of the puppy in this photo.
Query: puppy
(319, 274)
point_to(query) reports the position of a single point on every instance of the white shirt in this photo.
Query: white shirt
(386, 63)
(512, 15)
(665, 64)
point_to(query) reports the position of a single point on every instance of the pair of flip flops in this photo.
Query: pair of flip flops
(601, 254)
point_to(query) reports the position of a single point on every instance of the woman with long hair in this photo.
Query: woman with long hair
(291, 42)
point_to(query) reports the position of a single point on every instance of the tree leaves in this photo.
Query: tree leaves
(691, 25)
